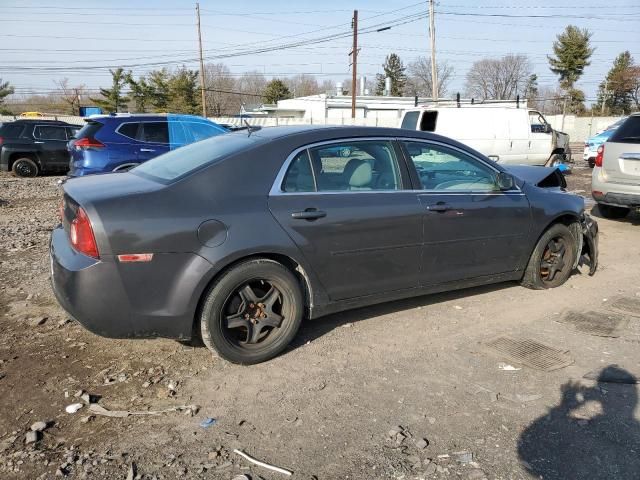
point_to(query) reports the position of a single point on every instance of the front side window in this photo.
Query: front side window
(442, 168)
(537, 122)
(47, 132)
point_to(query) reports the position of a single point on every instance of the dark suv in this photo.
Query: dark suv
(30, 147)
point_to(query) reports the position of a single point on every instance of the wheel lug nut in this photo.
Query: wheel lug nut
(251, 305)
(246, 315)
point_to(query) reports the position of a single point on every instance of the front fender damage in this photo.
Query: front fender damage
(588, 243)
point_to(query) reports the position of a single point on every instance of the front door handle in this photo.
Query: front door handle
(309, 214)
(147, 150)
(438, 207)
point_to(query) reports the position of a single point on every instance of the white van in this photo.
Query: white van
(503, 132)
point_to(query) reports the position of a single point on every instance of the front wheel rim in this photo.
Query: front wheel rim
(24, 169)
(554, 259)
(254, 314)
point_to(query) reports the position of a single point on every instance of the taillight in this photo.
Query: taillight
(81, 233)
(88, 143)
(599, 155)
(1, 140)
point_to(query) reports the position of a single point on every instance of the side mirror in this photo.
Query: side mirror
(505, 181)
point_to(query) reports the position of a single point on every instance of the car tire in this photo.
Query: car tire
(265, 318)
(552, 260)
(592, 162)
(556, 160)
(25, 167)
(613, 212)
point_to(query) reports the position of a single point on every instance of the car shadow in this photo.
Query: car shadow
(633, 218)
(310, 330)
(591, 434)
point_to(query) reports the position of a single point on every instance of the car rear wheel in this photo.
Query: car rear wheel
(252, 312)
(610, 211)
(552, 260)
(25, 167)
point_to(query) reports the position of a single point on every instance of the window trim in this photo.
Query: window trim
(418, 183)
(117, 130)
(63, 127)
(276, 188)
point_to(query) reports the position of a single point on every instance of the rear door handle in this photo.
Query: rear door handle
(438, 207)
(309, 214)
(147, 150)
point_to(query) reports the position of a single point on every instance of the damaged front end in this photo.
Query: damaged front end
(586, 233)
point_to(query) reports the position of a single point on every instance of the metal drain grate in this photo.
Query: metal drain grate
(600, 324)
(628, 305)
(531, 353)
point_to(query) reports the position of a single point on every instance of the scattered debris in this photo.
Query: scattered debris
(457, 307)
(32, 437)
(422, 443)
(262, 464)
(208, 422)
(74, 407)
(132, 471)
(242, 477)
(100, 410)
(38, 321)
(463, 457)
(508, 368)
(39, 426)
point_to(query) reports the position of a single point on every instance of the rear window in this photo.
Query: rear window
(410, 120)
(11, 130)
(628, 132)
(90, 130)
(182, 161)
(49, 132)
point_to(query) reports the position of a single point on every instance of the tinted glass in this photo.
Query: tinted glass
(442, 168)
(200, 131)
(356, 166)
(299, 177)
(72, 131)
(155, 132)
(129, 130)
(90, 130)
(410, 120)
(46, 132)
(11, 131)
(182, 161)
(628, 132)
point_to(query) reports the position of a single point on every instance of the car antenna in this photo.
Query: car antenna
(251, 128)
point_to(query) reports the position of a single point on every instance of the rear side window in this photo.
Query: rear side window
(628, 132)
(49, 132)
(410, 120)
(129, 130)
(154, 132)
(90, 130)
(299, 177)
(11, 131)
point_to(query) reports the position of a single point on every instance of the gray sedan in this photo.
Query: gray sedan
(240, 237)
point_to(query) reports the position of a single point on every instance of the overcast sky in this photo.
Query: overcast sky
(41, 42)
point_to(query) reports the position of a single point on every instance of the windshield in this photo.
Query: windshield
(182, 161)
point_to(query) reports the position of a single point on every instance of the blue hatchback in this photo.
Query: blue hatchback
(111, 143)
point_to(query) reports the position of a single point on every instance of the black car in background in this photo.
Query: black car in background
(31, 147)
(241, 236)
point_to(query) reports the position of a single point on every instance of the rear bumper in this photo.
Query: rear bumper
(616, 194)
(125, 301)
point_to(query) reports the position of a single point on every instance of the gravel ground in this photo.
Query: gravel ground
(404, 390)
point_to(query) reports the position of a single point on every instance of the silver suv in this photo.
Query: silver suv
(615, 182)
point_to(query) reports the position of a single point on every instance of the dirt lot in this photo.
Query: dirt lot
(352, 398)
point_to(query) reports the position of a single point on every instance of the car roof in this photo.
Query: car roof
(145, 116)
(32, 120)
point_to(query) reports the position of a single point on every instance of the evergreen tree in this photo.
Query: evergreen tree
(394, 69)
(276, 90)
(159, 82)
(572, 52)
(531, 89)
(112, 98)
(141, 93)
(616, 91)
(183, 91)
(5, 90)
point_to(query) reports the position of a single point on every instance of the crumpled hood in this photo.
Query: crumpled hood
(543, 177)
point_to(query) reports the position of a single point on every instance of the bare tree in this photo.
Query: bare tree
(498, 79)
(548, 100)
(71, 96)
(303, 85)
(219, 90)
(419, 77)
(251, 86)
(634, 79)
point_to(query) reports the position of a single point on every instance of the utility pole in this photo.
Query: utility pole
(432, 36)
(604, 96)
(354, 64)
(204, 99)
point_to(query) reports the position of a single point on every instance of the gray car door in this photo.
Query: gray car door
(352, 216)
(471, 227)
